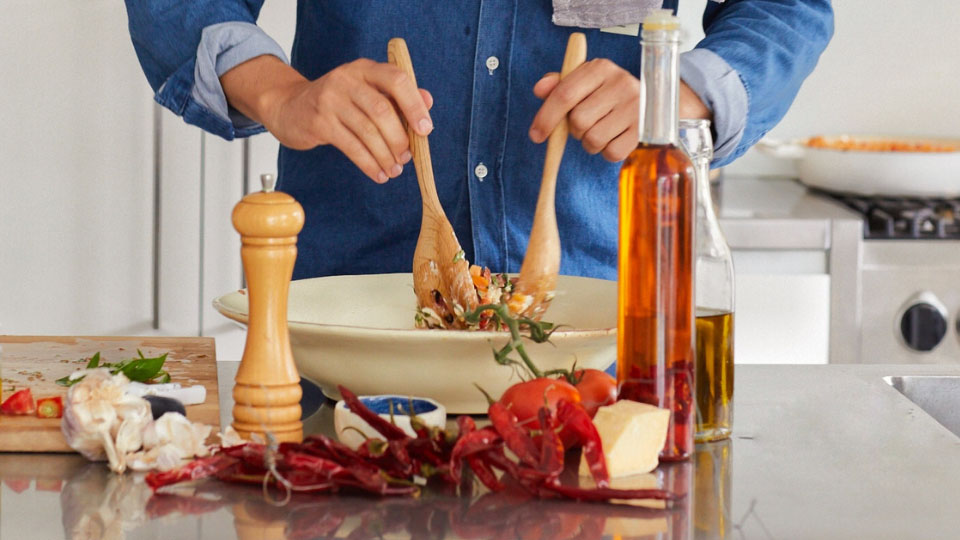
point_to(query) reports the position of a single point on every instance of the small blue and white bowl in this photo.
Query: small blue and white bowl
(347, 423)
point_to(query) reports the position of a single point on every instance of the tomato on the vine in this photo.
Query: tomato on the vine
(596, 388)
(525, 399)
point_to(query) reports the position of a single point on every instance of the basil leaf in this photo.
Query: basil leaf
(94, 362)
(143, 369)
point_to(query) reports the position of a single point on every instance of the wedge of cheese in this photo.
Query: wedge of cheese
(632, 434)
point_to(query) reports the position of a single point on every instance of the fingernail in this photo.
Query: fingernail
(535, 135)
(396, 170)
(405, 157)
(382, 177)
(426, 126)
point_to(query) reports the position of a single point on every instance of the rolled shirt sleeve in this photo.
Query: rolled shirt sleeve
(771, 46)
(166, 37)
(721, 90)
(222, 47)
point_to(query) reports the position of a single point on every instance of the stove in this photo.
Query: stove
(896, 218)
(909, 280)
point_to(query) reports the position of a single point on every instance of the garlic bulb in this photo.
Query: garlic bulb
(101, 420)
(169, 440)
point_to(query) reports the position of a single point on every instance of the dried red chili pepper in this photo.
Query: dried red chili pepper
(484, 473)
(388, 430)
(516, 438)
(551, 447)
(470, 444)
(576, 420)
(325, 447)
(313, 464)
(396, 460)
(199, 468)
(466, 425)
(421, 450)
(497, 458)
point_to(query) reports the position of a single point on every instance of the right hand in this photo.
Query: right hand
(356, 107)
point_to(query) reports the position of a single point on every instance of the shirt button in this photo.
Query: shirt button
(493, 63)
(480, 171)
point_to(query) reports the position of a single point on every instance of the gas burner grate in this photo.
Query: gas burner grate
(896, 218)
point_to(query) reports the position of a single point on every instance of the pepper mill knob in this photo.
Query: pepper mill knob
(269, 182)
(267, 391)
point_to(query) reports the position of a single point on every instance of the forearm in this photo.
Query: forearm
(256, 86)
(690, 104)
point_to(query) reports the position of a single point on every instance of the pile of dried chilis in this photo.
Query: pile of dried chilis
(398, 464)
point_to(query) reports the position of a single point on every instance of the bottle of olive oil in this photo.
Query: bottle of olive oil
(655, 352)
(714, 297)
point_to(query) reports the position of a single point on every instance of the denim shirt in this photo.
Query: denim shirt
(747, 70)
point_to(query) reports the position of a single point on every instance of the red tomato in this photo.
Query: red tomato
(525, 399)
(20, 402)
(596, 388)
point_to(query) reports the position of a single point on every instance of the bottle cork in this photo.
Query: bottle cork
(267, 390)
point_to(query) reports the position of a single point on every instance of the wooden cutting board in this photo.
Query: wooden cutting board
(38, 361)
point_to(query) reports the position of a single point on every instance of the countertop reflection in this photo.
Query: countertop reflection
(54, 496)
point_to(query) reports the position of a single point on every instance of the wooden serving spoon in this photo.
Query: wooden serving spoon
(441, 274)
(541, 264)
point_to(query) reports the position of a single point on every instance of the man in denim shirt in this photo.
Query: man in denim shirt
(337, 107)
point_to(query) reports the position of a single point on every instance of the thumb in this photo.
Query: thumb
(546, 85)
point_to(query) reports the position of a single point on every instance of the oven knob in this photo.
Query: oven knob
(923, 325)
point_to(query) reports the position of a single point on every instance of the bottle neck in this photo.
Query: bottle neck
(660, 80)
(704, 197)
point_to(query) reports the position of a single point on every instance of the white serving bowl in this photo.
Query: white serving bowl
(359, 331)
(428, 411)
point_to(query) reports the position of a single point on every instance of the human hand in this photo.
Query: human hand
(602, 104)
(356, 107)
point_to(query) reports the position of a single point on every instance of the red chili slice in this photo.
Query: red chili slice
(20, 402)
(50, 407)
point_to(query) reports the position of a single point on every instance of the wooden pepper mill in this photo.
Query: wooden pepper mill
(267, 391)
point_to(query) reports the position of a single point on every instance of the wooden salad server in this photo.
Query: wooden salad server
(441, 274)
(541, 264)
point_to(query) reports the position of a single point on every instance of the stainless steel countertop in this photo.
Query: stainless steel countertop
(779, 213)
(818, 452)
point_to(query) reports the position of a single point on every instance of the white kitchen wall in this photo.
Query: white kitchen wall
(75, 171)
(76, 183)
(892, 68)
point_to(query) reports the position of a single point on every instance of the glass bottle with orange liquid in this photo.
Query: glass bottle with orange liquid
(655, 315)
(714, 297)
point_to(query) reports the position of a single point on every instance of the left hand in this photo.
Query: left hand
(602, 101)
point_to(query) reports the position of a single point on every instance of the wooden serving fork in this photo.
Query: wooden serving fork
(541, 264)
(441, 274)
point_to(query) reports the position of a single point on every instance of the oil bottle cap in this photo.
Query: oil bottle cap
(661, 19)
